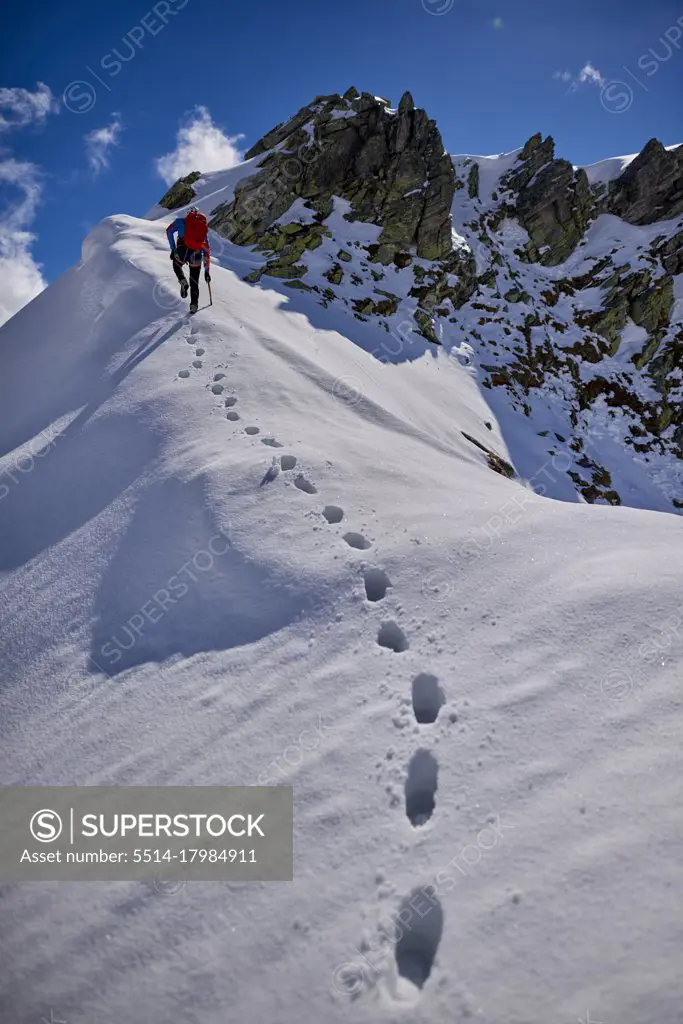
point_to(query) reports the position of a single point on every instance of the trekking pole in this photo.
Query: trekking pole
(208, 285)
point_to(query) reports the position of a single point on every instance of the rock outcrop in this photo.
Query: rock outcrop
(647, 302)
(181, 192)
(389, 165)
(553, 201)
(536, 153)
(651, 187)
(670, 251)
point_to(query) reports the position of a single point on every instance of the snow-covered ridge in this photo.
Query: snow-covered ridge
(472, 688)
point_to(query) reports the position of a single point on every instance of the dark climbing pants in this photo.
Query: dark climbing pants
(193, 258)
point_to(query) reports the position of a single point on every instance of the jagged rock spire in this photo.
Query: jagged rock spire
(407, 103)
(391, 167)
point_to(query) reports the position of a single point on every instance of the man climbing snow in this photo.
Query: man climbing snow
(192, 245)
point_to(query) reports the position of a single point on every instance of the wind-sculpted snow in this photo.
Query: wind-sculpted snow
(472, 688)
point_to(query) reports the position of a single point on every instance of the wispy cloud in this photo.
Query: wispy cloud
(588, 75)
(200, 146)
(21, 276)
(99, 141)
(20, 107)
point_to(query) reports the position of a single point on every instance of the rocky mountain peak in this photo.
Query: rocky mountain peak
(506, 259)
(389, 165)
(407, 103)
(651, 186)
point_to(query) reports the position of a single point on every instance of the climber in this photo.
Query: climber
(191, 246)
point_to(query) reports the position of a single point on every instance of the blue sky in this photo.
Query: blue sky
(126, 84)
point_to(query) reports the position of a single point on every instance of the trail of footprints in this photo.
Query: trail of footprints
(419, 934)
(416, 949)
(217, 387)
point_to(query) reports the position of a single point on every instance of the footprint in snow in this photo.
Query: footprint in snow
(428, 698)
(305, 485)
(288, 461)
(197, 363)
(376, 583)
(230, 402)
(252, 430)
(333, 513)
(356, 540)
(420, 787)
(391, 636)
(183, 373)
(194, 330)
(415, 951)
(232, 416)
(271, 442)
(217, 389)
(200, 352)
(218, 376)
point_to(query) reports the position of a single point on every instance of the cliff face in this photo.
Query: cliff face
(563, 286)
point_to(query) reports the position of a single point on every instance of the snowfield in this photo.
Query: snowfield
(474, 689)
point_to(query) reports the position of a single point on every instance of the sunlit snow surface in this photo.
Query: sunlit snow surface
(384, 578)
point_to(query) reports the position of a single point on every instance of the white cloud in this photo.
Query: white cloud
(21, 276)
(26, 107)
(200, 146)
(588, 75)
(99, 141)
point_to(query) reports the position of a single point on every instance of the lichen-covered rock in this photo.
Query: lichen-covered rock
(288, 242)
(555, 208)
(535, 154)
(635, 295)
(299, 285)
(553, 202)
(651, 308)
(389, 165)
(284, 268)
(668, 359)
(670, 252)
(181, 192)
(425, 326)
(517, 295)
(335, 274)
(651, 186)
(388, 305)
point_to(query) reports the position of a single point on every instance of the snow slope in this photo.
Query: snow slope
(543, 638)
